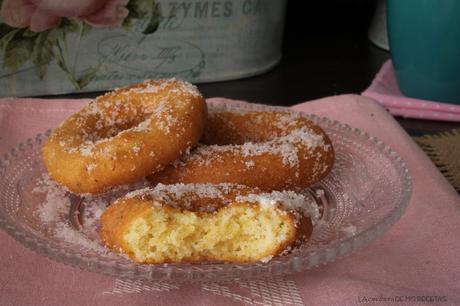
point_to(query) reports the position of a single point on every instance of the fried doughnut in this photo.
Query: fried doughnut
(125, 134)
(206, 223)
(272, 150)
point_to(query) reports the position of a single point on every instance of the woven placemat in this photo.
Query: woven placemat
(444, 150)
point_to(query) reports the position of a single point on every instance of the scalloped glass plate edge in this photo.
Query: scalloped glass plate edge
(207, 272)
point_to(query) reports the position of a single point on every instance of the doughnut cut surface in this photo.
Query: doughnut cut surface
(124, 135)
(205, 223)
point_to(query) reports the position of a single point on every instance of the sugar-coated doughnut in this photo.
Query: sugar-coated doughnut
(206, 223)
(125, 134)
(271, 150)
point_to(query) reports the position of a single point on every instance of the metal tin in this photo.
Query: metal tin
(200, 41)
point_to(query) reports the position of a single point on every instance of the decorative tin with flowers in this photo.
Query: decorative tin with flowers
(62, 46)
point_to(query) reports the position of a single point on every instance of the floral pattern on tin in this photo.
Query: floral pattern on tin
(42, 31)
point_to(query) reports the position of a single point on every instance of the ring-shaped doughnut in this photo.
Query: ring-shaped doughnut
(270, 150)
(124, 135)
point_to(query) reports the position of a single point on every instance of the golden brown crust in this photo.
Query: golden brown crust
(117, 218)
(124, 135)
(120, 216)
(268, 150)
(117, 221)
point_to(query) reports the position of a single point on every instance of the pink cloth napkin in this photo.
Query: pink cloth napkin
(416, 262)
(384, 89)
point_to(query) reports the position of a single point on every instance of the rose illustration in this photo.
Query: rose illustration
(42, 32)
(42, 15)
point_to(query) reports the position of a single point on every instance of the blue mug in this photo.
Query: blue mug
(424, 38)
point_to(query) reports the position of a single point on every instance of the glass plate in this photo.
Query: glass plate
(365, 194)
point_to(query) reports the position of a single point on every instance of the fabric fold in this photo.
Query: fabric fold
(384, 88)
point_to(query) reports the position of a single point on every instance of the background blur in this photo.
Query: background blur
(325, 52)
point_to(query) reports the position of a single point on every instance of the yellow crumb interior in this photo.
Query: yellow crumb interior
(242, 233)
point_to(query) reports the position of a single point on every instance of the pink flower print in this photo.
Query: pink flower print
(41, 15)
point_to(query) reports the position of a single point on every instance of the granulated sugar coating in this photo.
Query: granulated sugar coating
(271, 150)
(192, 223)
(57, 201)
(124, 135)
(185, 196)
(54, 213)
(238, 196)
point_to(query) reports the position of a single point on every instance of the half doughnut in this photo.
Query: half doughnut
(125, 134)
(203, 222)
